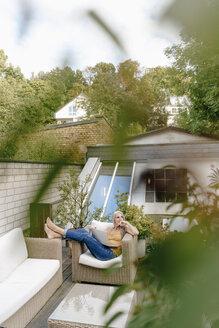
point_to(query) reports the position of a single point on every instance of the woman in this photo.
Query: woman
(98, 250)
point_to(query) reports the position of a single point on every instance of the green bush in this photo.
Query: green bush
(44, 148)
(135, 215)
(75, 206)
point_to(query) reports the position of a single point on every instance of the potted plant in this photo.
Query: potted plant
(74, 213)
(136, 216)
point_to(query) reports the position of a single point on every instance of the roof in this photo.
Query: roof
(142, 153)
(169, 129)
(159, 148)
(64, 125)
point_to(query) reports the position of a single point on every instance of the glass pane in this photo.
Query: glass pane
(170, 196)
(181, 196)
(170, 185)
(107, 170)
(170, 173)
(160, 185)
(124, 170)
(159, 174)
(150, 180)
(160, 196)
(100, 191)
(120, 185)
(181, 180)
(149, 197)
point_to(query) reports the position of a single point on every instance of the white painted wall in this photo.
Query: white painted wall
(19, 184)
(174, 106)
(200, 168)
(66, 114)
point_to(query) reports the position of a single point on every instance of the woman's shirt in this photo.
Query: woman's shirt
(115, 239)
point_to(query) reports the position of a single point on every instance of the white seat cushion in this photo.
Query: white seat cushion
(27, 279)
(13, 251)
(88, 259)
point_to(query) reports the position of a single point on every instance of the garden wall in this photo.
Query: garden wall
(19, 184)
(69, 140)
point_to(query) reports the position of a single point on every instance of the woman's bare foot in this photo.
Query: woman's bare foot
(51, 234)
(54, 227)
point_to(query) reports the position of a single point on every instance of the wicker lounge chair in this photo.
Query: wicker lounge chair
(124, 274)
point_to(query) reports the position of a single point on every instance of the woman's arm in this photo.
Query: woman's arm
(130, 228)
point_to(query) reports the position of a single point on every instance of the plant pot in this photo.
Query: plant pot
(141, 248)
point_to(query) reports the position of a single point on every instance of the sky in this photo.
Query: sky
(39, 35)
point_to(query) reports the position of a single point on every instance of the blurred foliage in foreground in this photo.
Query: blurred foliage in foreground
(180, 273)
(196, 62)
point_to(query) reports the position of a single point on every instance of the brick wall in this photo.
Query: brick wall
(19, 184)
(72, 139)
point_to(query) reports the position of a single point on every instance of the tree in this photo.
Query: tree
(66, 84)
(105, 92)
(196, 59)
(126, 96)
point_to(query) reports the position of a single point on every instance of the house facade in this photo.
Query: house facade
(153, 169)
(174, 106)
(73, 111)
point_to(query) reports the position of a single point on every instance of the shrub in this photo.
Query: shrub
(75, 206)
(135, 215)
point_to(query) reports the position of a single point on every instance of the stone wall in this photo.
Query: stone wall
(72, 139)
(19, 184)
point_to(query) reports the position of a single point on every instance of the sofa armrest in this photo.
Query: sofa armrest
(43, 248)
(129, 249)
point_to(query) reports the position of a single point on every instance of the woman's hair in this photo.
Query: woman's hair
(122, 229)
(115, 213)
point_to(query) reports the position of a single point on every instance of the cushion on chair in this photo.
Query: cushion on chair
(101, 225)
(88, 259)
(13, 251)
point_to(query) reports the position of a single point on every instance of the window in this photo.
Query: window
(72, 111)
(107, 186)
(166, 185)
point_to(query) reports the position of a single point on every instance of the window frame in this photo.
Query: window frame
(165, 185)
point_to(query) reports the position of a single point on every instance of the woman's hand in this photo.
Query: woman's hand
(123, 223)
(129, 228)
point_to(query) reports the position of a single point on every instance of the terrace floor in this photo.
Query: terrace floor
(40, 320)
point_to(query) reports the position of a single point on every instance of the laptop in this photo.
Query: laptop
(102, 236)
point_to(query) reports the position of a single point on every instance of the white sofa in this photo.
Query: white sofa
(30, 272)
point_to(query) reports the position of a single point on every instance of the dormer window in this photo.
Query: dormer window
(72, 111)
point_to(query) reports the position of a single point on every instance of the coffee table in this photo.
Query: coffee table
(84, 306)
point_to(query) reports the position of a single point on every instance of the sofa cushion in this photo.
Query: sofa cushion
(101, 225)
(88, 259)
(27, 279)
(13, 251)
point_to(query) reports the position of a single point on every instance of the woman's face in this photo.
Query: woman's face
(118, 219)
